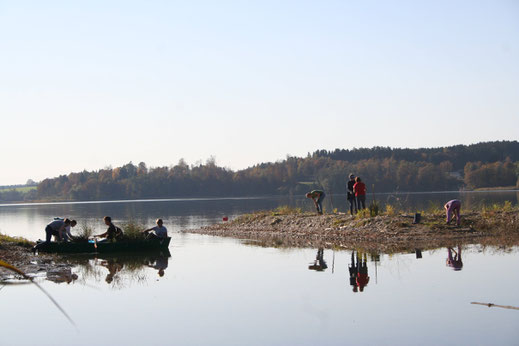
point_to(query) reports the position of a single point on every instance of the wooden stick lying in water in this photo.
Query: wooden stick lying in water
(497, 306)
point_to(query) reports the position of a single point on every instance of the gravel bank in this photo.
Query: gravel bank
(381, 233)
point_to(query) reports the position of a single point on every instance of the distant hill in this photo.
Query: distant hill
(458, 155)
(482, 165)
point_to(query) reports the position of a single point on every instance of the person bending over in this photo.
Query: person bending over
(453, 207)
(317, 197)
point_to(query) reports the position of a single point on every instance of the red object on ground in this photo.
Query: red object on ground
(225, 218)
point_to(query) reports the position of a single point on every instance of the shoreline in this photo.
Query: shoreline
(382, 233)
(18, 254)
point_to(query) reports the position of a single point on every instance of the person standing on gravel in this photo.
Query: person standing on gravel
(351, 194)
(360, 193)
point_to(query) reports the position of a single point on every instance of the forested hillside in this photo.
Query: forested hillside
(482, 165)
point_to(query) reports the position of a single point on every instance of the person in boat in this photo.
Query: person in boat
(317, 197)
(360, 193)
(158, 231)
(453, 207)
(112, 233)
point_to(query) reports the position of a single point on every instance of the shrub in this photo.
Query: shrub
(133, 230)
(85, 232)
(373, 208)
(390, 210)
(286, 210)
(363, 214)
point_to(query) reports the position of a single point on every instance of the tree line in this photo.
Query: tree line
(295, 175)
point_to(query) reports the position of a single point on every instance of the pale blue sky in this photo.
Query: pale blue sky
(86, 84)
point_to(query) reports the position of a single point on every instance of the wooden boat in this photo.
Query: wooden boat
(105, 246)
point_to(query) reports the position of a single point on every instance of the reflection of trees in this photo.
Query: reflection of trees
(120, 270)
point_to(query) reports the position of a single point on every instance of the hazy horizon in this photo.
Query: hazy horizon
(95, 84)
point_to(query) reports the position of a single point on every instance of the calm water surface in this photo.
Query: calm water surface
(218, 291)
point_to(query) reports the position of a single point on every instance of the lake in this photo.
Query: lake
(220, 291)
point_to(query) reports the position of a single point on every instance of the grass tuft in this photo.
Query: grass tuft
(4, 238)
(133, 230)
(286, 210)
(85, 232)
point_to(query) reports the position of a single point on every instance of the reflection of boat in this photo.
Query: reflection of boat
(119, 269)
(106, 246)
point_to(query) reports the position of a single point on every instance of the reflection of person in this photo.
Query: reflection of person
(317, 197)
(362, 271)
(113, 268)
(319, 263)
(353, 272)
(161, 263)
(158, 231)
(351, 194)
(113, 232)
(360, 193)
(453, 207)
(454, 258)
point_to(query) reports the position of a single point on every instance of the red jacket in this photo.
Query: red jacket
(359, 189)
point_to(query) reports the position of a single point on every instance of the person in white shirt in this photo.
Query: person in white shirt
(158, 231)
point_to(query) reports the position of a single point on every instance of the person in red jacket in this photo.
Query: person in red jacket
(360, 193)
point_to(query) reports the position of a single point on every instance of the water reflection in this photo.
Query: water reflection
(319, 263)
(454, 258)
(160, 263)
(358, 269)
(61, 275)
(120, 270)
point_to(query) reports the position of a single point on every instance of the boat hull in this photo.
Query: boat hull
(105, 246)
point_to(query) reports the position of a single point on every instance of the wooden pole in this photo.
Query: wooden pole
(490, 305)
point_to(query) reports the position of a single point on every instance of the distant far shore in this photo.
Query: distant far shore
(45, 201)
(502, 188)
(386, 233)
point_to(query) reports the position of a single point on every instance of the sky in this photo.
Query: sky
(91, 84)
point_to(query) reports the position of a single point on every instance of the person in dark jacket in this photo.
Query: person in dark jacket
(113, 232)
(351, 194)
